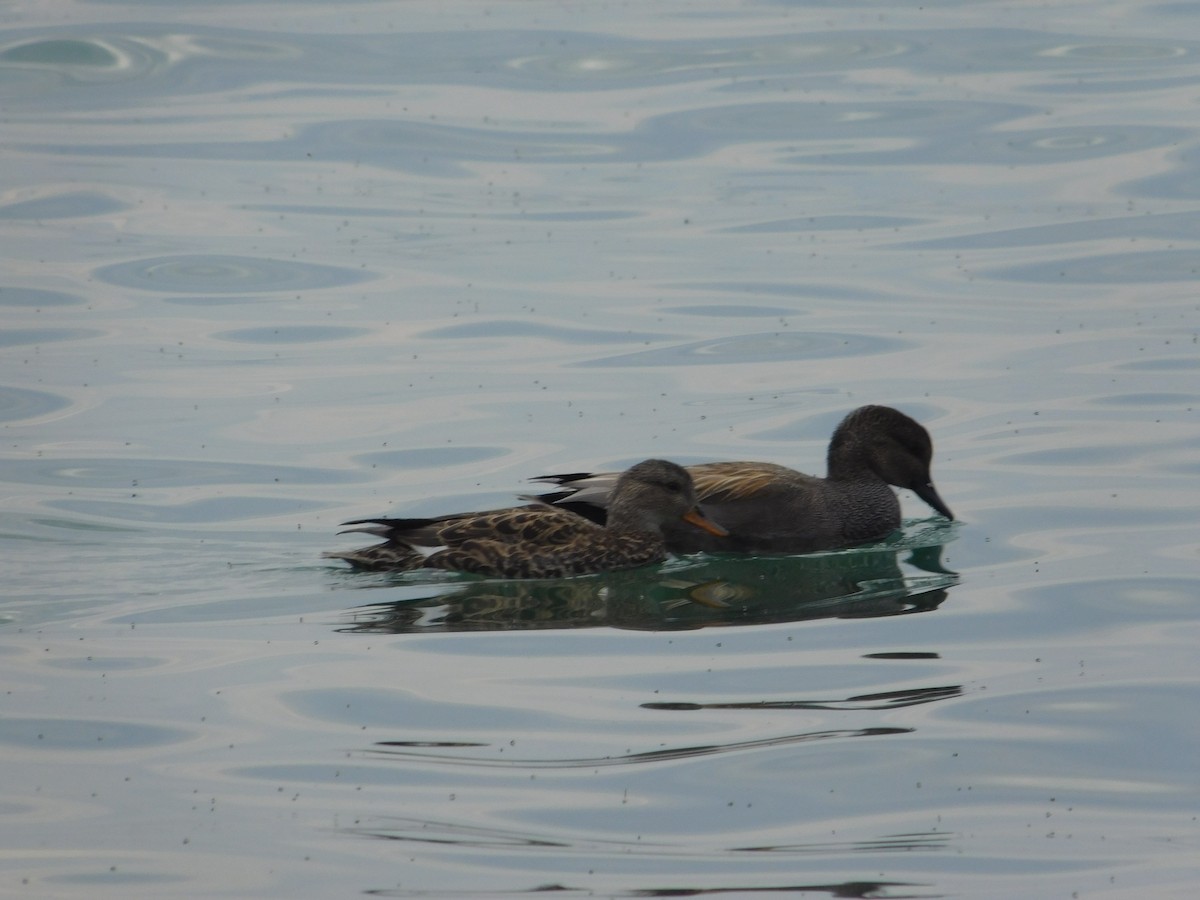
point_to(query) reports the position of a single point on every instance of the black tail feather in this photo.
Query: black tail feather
(565, 479)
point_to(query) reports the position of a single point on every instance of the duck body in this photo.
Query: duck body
(534, 541)
(541, 540)
(768, 508)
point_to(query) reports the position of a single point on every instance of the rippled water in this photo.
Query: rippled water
(267, 268)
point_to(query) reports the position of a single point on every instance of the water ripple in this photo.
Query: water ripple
(68, 62)
(35, 297)
(221, 509)
(755, 349)
(1150, 266)
(1010, 147)
(930, 127)
(107, 663)
(615, 63)
(21, 403)
(881, 700)
(68, 205)
(429, 457)
(460, 834)
(514, 328)
(148, 472)
(1164, 226)
(725, 310)
(933, 133)
(626, 759)
(86, 734)
(224, 274)
(1180, 183)
(16, 337)
(293, 334)
(822, 223)
(205, 59)
(1108, 52)
(1165, 364)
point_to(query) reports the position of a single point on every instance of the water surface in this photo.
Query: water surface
(267, 271)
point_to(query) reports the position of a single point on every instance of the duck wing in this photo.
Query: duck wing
(588, 551)
(537, 523)
(721, 483)
(715, 481)
(389, 556)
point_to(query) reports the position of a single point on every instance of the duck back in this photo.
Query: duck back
(767, 508)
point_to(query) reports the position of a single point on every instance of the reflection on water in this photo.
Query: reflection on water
(881, 700)
(399, 828)
(402, 750)
(692, 593)
(849, 889)
(464, 836)
(461, 835)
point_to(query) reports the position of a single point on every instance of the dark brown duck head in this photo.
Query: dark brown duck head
(653, 493)
(878, 441)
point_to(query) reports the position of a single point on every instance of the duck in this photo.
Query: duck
(541, 540)
(769, 508)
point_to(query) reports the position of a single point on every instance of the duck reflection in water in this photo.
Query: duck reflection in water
(690, 593)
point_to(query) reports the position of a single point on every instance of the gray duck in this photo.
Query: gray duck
(768, 508)
(541, 540)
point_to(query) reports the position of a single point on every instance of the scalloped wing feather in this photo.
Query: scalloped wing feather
(542, 525)
(589, 553)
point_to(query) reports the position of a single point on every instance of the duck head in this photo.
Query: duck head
(890, 444)
(652, 493)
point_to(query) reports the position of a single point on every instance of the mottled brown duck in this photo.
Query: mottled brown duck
(768, 508)
(540, 540)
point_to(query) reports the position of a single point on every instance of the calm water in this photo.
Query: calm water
(270, 267)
